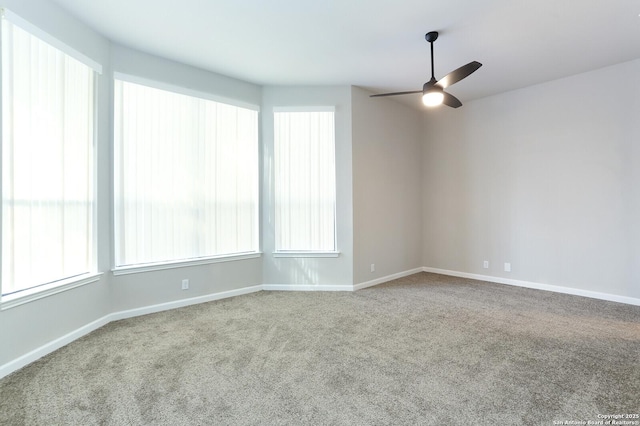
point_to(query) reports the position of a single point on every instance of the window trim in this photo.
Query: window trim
(43, 290)
(161, 85)
(310, 108)
(158, 266)
(283, 253)
(305, 253)
(179, 263)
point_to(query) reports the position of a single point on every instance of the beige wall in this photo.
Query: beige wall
(545, 178)
(387, 196)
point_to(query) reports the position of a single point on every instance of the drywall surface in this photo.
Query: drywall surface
(140, 64)
(38, 325)
(545, 178)
(387, 187)
(133, 291)
(140, 290)
(31, 325)
(57, 22)
(310, 271)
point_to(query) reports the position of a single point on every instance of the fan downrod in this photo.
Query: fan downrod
(431, 36)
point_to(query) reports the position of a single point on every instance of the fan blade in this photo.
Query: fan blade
(451, 100)
(458, 74)
(394, 94)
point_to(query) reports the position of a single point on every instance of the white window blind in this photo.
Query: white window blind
(47, 163)
(305, 182)
(186, 176)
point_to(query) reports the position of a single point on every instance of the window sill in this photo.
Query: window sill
(306, 254)
(149, 267)
(40, 292)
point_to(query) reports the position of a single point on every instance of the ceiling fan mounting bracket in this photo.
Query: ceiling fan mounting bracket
(431, 36)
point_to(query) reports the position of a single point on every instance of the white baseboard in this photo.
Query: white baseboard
(547, 287)
(56, 344)
(306, 287)
(47, 348)
(43, 350)
(344, 287)
(386, 278)
(182, 303)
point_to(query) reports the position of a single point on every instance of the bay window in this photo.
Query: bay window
(48, 178)
(186, 175)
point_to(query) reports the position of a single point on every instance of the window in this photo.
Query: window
(305, 180)
(48, 182)
(186, 176)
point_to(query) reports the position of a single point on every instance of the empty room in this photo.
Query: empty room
(320, 212)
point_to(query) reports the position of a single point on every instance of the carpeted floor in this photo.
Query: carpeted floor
(426, 349)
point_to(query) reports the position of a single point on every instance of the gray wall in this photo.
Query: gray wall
(546, 178)
(26, 327)
(31, 326)
(387, 186)
(139, 290)
(310, 271)
(141, 64)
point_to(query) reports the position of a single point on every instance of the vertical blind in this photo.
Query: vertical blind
(47, 163)
(305, 180)
(186, 176)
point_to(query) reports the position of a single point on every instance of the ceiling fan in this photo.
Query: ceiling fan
(433, 93)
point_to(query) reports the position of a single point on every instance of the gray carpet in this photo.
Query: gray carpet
(426, 349)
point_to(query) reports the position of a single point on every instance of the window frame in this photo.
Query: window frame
(311, 253)
(184, 262)
(43, 290)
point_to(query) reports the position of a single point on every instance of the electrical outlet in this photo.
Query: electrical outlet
(373, 267)
(507, 267)
(185, 284)
(485, 264)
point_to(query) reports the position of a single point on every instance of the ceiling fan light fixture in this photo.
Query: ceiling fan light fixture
(433, 91)
(432, 97)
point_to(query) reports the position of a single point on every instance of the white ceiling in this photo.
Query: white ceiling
(376, 44)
